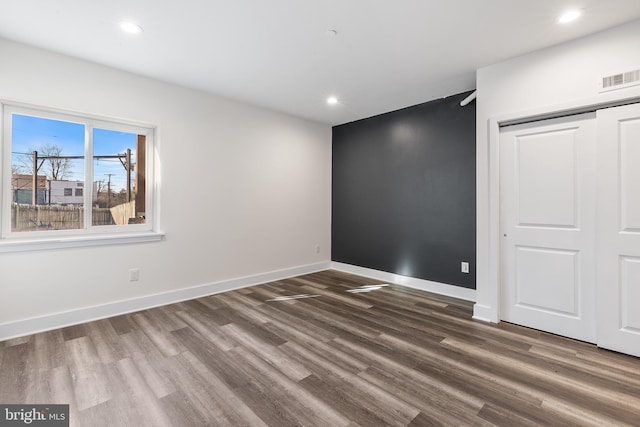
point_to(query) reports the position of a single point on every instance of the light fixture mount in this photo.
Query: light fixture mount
(130, 27)
(569, 16)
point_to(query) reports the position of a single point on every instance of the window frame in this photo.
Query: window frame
(90, 234)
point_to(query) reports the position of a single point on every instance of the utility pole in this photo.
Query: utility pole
(34, 179)
(109, 189)
(128, 168)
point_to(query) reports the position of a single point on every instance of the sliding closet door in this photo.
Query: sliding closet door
(547, 190)
(618, 237)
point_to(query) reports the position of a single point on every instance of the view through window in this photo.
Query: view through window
(71, 173)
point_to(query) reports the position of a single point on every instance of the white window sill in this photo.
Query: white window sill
(78, 241)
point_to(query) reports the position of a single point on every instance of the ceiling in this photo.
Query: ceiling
(280, 54)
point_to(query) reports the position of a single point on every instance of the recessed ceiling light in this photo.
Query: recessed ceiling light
(332, 100)
(130, 27)
(569, 16)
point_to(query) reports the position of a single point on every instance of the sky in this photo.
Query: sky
(31, 133)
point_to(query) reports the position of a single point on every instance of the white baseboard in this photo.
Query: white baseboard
(86, 314)
(410, 282)
(484, 313)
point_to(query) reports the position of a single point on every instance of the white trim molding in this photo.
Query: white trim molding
(48, 322)
(22, 245)
(484, 313)
(410, 282)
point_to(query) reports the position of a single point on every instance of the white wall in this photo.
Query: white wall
(263, 205)
(557, 78)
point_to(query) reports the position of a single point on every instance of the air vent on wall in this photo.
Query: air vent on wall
(621, 80)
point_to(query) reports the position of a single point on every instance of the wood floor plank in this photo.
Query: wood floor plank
(349, 299)
(321, 348)
(90, 382)
(208, 329)
(160, 338)
(490, 382)
(601, 370)
(393, 410)
(61, 391)
(273, 411)
(311, 311)
(256, 330)
(334, 392)
(499, 417)
(572, 384)
(229, 369)
(266, 352)
(17, 341)
(243, 298)
(388, 364)
(122, 324)
(141, 394)
(290, 327)
(438, 406)
(391, 356)
(151, 369)
(38, 387)
(236, 412)
(240, 308)
(208, 308)
(73, 332)
(106, 341)
(424, 420)
(265, 293)
(137, 341)
(180, 410)
(49, 350)
(308, 409)
(191, 386)
(304, 281)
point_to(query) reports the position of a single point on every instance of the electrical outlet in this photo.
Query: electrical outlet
(317, 249)
(134, 275)
(464, 267)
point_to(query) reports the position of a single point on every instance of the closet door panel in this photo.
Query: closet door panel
(547, 190)
(618, 229)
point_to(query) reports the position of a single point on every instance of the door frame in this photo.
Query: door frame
(487, 306)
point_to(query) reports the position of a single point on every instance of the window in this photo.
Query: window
(48, 154)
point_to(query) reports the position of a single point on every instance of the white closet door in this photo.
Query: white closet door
(618, 247)
(548, 225)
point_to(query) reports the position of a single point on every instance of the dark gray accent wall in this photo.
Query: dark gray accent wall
(404, 192)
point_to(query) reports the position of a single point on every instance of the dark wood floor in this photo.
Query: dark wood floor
(392, 356)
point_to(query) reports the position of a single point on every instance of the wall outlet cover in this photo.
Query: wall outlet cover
(464, 267)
